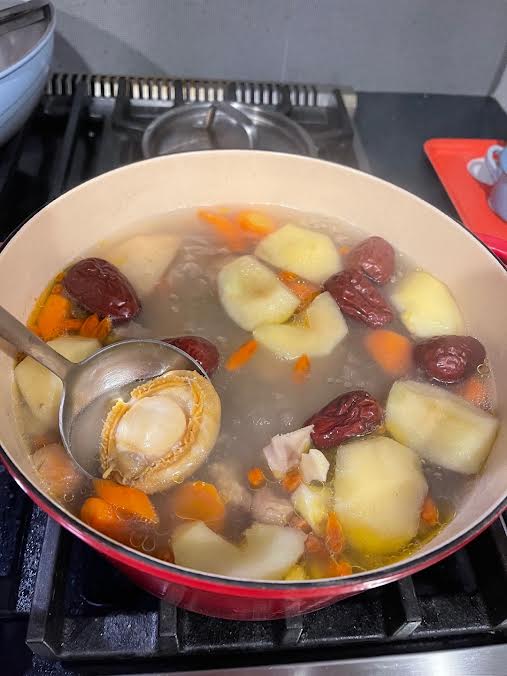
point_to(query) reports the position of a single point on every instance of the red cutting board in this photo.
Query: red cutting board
(449, 157)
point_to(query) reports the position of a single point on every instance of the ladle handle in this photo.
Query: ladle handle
(27, 342)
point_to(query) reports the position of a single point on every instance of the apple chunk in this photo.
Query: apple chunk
(426, 306)
(315, 333)
(309, 254)
(441, 426)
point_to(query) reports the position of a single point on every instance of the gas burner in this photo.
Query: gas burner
(67, 602)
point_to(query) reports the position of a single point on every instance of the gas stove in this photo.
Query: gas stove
(64, 609)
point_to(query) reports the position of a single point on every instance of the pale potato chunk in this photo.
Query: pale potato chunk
(313, 504)
(379, 492)
(252, 294)
(197, 546)
(309, 254)
(267, 553)
(442, 427)
(426, 306)
(40, 388)
(316, 333)
(143, 259)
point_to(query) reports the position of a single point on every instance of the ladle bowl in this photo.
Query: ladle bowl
(91, 387)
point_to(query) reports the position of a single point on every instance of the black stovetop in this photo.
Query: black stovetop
(66, 603)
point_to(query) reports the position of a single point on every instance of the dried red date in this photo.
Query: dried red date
(449, 359)
(200, 349)
(374, 257)
(352, 414)
(100, 288)
(359, 298)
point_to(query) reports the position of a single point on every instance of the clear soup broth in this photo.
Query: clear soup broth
(339, 520)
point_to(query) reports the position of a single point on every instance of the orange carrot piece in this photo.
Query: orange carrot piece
(391, 350)
(198, 501)
(225, 228)
(476, 391)
(72, 324)
(130, 500)
(241, 356)
(313, 544)
(102, 516)
(41, 440)
(301, 369)
(291, 480)
(343, 250)
(343, 568)
(165, 553)
(429, 512)
(52, 316)
(103, 329)
(256, 477)
(89, 326)
(256, 222)
(335, 540)
(305, 291)
(319, 562)
(298, 522)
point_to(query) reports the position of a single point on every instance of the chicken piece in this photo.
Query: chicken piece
(233, 492)
(314, 466)
(268, 507)
(59, 472)
(285, 450)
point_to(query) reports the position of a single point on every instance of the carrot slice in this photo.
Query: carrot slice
(256, 477)
(301, 369)
(72, 324)
(305, 291)
(225, 228)
(291, 480)
(131, 500)
(103, 329)
(256, 222)
(391, 350)
(429, 512)
(102, 516)
(313, 544)
(344, 249)
(165, 553)
(198, 501)
(89, 326)
(241, 356)
(54, 312)
(476, 391)
(343, 568)
(319, 562)
(334, 534)
(298, 522)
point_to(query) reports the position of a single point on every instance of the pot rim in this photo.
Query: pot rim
(45, 37)
(171, 572)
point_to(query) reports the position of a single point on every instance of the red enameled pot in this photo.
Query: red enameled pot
(101, 208)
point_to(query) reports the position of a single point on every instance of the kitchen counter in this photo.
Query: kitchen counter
(393, 128)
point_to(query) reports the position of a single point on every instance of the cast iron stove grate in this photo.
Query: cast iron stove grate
(67, 602)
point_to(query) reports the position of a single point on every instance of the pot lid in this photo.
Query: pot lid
(224, 126)
(21, 30)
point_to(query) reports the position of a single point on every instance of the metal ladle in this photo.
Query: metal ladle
(92, 386)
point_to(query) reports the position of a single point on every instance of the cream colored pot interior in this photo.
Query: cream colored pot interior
(100, 209)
